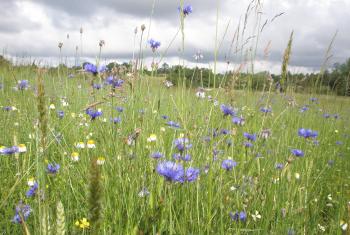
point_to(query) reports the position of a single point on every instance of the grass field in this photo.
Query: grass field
(266, 189)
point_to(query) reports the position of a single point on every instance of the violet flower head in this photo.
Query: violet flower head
(227, 110)
(32, 191)
(307, 133)
(228, 164)
(93, 113)
(186, 9)
(22, 211)
(238, 216)
(171, 171)
(192, 174)
(154, 44)
(182, 144)
(52, 168)
(238, 121)
(251, 137)
(173, 124)
(23, 84)
(157, 155)
(9, 150)
(297, 152)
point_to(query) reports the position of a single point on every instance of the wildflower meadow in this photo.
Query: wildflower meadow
(107, 148)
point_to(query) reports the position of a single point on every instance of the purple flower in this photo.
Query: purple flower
(227, 110)
(248, 144)
(265, 110)
(297, 152)
(339, 143)
(228, 164)
(165, 117)
(192, 174)
(97, 86)
(7, 108)
(60, 114)
(304, 109)
(238, 121)
(157, 155)
(52, 168)
(119, 109)
(154, 44)
(225, 132)
(182, 144)
(116, 120)
(186, 157)
(173, 124)
(22, 84)
(279, 166)
(9, 150)
(93, 113)
(186, 10)
(22, 211)
(238, 216)
(251, 137)
(307, 133)
(91, 68)
(326, 115)
(32, 191)
(171, 171)
(313, 99)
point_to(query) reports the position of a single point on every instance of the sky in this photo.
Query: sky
(31, 30)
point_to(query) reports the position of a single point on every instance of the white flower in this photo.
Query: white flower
(22, 148)
(31, 182)
(256, 216)
(80, 145)
(152, 138)
(297, 176)
(200, 94)
(91, 144)
(75, 156)
(330, 197)
(320, 227)
(343, 225)
(100, 161)
(52, 107)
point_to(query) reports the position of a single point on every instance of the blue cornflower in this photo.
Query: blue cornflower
(22, 84)
(251, 137)
(313, 99)
(279, 166)
(157, 155)
(91, 68)
(192, 174)
(97, 86)
(265, 110)
(32, 191)
(177, 156)
(154, 44)
(165, 117)
(238, 216)
(116, 120)
(186, 10)
(186, 157)
(227, 110)
(339, 143)
(182, 144)
(93, 113)
(173, 124)
(326, 115)
(238, 121)
(228, 164)
(60, 114)
(7, 108)
(171, 171)
(225, 132)
(9, 150)
(297, 152)
(22, 211)
(304, 109)
(307, 133)
(109, 80)
(248, 144)
(117, 82)
(119, 109)
(52, 168)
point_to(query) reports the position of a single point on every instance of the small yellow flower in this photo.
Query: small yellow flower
(75, 156)
(152, 138)
(100, 161)
(91, 144)
(182, 135)
(336, 131)
(52, 107)
(73, 115)
(83, 223)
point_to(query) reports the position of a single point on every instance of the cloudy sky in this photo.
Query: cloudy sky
(33, 28)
